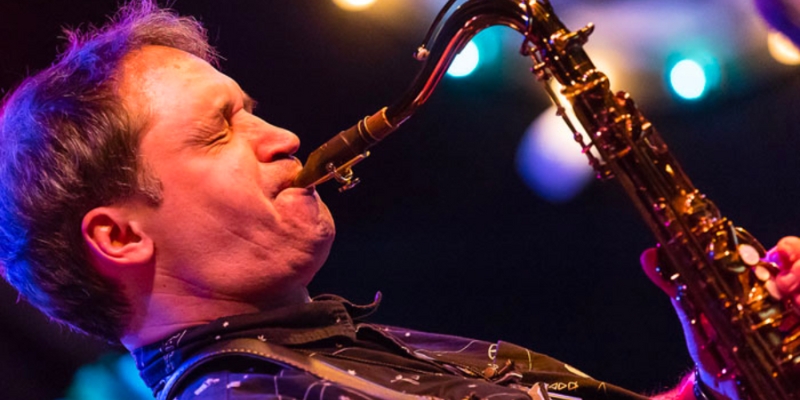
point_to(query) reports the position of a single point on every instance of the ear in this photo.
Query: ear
(114, 239)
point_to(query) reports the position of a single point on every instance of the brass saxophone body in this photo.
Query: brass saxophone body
(722, 283)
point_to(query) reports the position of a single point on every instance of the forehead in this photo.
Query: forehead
(157, 72)
(175, 95)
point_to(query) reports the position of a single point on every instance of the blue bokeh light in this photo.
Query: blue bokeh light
(550, 161)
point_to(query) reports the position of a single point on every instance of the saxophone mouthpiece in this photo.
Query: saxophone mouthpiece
(335, 158)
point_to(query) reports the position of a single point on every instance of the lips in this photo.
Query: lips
(290, 172)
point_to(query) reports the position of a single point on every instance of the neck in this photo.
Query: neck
(163, 314)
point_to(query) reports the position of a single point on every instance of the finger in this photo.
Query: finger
(697, 331)
(786, 252)
(788, 280)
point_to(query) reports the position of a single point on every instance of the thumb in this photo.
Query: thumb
(650, 265)
(696, 330)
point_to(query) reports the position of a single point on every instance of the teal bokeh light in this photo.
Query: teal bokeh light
(113, 376)
(693, 74)
(688, 79)
(465, 62)
(483, 49)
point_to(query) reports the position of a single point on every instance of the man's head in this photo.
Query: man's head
(105, 176)
(230, 229)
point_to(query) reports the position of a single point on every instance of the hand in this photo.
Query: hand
(696, 336)
(784, 285)
(786, 255)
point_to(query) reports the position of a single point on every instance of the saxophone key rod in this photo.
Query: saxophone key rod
(335, 157)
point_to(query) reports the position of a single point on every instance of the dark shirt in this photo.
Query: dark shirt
(400, 359)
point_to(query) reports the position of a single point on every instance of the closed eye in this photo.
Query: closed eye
(219, 138)
(222, 135)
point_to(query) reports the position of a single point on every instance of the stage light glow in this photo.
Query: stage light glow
(782, 49)
(550, 161)
(688, 79)
(113, 376)
(465, 62)
(354, 5)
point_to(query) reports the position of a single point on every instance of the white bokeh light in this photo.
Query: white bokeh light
(354, 5)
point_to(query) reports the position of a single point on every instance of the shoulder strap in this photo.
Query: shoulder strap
(284, 357)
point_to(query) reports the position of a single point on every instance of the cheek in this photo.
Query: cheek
(212, 199)
(218, 182)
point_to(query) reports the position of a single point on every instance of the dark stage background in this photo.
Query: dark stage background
(442, 224)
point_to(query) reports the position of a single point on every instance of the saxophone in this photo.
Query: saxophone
(723, 284)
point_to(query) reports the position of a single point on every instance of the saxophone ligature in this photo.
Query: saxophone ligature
(722, 282)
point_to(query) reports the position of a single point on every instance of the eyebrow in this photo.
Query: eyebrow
(249, 103)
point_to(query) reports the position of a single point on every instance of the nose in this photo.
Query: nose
(272, 143)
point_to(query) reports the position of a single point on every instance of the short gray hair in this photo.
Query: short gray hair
(67, 145)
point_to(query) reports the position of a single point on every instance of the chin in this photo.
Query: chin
(324, 251)
(325, 227)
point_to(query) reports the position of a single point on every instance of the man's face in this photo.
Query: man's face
(230, 226)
